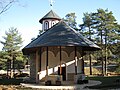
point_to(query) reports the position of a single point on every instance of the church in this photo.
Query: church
(57, 54)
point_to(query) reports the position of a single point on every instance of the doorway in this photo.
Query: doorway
(63, 73)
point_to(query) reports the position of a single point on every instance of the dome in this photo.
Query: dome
(50, 15)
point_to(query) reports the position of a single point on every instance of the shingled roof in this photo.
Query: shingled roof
(50, 15)
(62, 35)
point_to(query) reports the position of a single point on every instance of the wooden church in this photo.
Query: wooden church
(57, 54)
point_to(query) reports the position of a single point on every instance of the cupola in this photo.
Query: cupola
(50, 19)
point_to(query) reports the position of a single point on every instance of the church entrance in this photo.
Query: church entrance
(63, 72)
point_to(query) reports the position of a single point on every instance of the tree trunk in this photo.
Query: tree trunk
(102, 54)
(105, 51)
(90, 53)
(90, 63)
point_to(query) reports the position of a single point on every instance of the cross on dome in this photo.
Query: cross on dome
(51, 3)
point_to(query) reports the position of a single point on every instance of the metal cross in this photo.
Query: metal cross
(51, 3)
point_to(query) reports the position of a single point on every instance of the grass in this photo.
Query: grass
(11, 81)
(107, 82)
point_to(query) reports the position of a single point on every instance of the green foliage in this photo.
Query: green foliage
(11, 48)
(13, 41)
(107, 31)
(70, 19)
(107, 26)
(99, 25)
(102, 28)
(87, 26)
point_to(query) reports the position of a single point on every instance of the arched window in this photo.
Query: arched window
(53, 23)
(46, 25)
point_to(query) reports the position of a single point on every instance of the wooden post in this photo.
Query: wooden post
(82, 65)
(82, 61)
(75, 61)
(40, 54)
(60, 61)
(47, 61)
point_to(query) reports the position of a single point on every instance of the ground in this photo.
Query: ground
(112, 82)
(14, 87)
(108, 82)
(7, 87)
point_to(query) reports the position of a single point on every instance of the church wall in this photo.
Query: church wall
(54, 60)
(32, 68)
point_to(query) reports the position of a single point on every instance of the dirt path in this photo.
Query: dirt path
(5, 87)
(14, 87)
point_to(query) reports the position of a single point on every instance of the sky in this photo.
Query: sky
(25, 14)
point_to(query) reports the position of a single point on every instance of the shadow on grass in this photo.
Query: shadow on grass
(107, 82)
(11, 81)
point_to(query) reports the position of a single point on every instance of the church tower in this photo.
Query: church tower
(49, 20)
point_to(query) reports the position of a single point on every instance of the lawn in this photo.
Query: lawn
(11, 81)
(107, 83)
(112, 82)
(12, 84)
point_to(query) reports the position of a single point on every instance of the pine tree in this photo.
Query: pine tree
(11, 48)
(88, 32)
(106, 29)
(70, 19)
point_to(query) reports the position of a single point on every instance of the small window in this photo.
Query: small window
(46, 25)
(53, 23)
